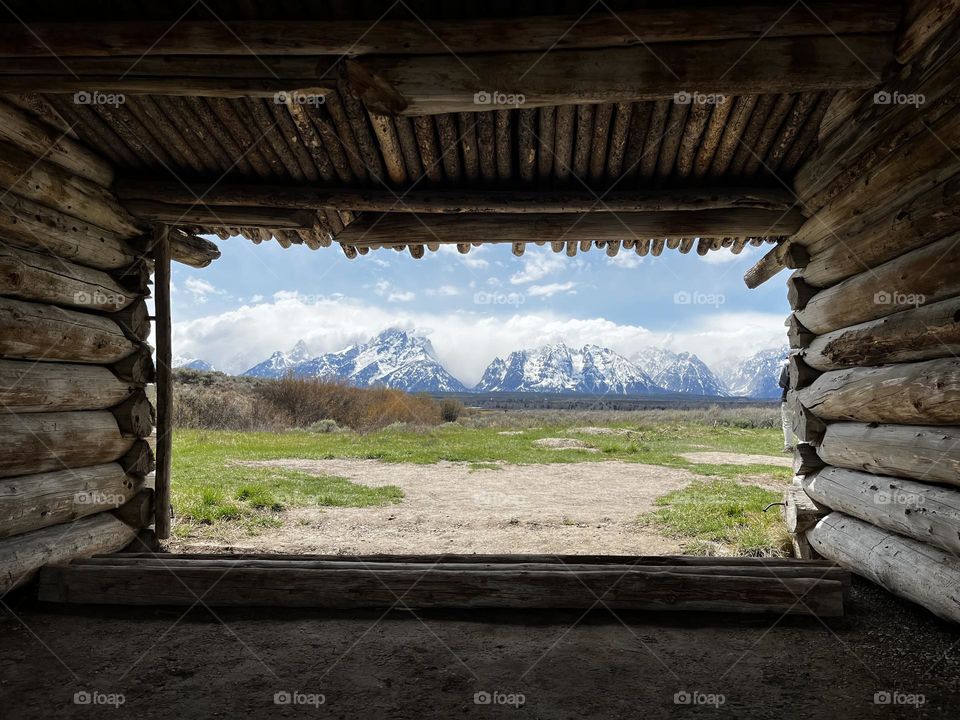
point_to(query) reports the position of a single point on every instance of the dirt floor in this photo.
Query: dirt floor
(584, 508)
(228, 663)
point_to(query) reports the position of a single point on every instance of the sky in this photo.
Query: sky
(257, 299)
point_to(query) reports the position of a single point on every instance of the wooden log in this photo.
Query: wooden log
(929, 217)
(799, 294)
(203, 214)
(801, 374)
(138, 512)
(23, 555)
(144, 541)
(807, 427)
(923, 276)
(134, 320)
(40, 140)
(425, 85)
(387, 227)
(137, 367)
(919, 452)
(191, 250)
(923, 393)
(468, 588)
(164, 330)
(914, 570)
(924, 20)
(797, 334)
(40, 442)
(923, 512)
(26, 224)
(30, 502)
(135, 416)
(51, 186)
(805, 459)
(444, 200)
(45, 278)
(800, 512)
(922, 333)
(726, 20)
(33, 331)
(139, 459)
(47, 387)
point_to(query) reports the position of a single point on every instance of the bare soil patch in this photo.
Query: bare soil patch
(729, 458)
(454, 507)
(564, 444)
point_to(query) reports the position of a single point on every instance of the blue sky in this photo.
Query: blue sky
(259, 298)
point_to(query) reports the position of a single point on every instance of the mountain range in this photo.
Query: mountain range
(398, 359)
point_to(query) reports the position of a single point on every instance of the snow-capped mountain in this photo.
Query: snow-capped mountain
(757, 376)
(394, 358)
(188, 362)
(680, 372)
(561, 369)
(280, 363)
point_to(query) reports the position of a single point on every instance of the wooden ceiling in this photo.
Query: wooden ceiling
(422, 123)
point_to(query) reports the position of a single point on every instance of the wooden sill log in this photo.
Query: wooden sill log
(34, 331)
(800, 512)
(30, 502)
(922, 333)
(927, 513)
(21, 556)
(27, 387)
(468, 588)
(32, 226)
(48, 279)
(925, 453)
(42, 442)
(923, 276)
(913, 570)
(135, 416)
(138, 511)
(923, 393)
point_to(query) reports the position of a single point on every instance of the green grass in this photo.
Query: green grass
(211, 489)
(721, 517)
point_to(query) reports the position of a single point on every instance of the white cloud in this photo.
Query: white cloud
(444, 291)
(465, 342)
(472, 259)
(406, 296)
(198, 286)
(627, 259)
(256, 299)
(724, 255)
(550, 289)
(538, 264)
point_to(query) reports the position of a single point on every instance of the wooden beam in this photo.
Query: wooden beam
(161, 280)
(203, 214)
(920, 452)
(191, 250)
(215, 87)
(440, 200)
(908, 568)
(696, 21)
(422, 85)
(27, 386)
(402, 228)
(925, 18)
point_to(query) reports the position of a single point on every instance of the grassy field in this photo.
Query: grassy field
(210, 488)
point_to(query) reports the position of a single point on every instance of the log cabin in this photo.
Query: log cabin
(826, 132)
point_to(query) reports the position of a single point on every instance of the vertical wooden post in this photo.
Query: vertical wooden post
(161, 282)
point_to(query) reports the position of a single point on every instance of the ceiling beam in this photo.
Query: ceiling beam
(221, 197)
(405, 228)
(412, 36)
(424, 85)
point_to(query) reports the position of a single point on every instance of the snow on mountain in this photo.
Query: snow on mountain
(757, 376)
(188, 362)
(280, 363)
(680, 372)
(561, 369)
(394, 358)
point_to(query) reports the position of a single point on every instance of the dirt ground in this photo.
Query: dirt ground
(232, 663)
(584, 508)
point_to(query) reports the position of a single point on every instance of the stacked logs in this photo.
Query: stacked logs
(875, 379)
(74, 362)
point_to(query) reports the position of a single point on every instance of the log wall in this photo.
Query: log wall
(74, 466)
(875, 335)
